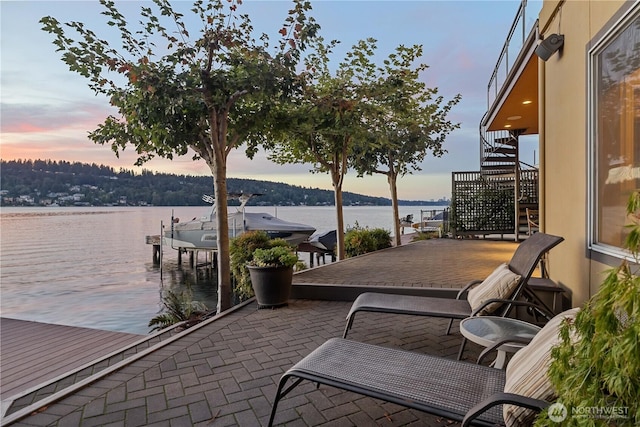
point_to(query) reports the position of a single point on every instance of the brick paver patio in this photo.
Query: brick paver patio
(224, 372)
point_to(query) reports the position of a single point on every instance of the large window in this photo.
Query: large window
(615, 134)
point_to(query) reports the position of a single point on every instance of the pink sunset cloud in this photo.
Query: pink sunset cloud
(23, 127)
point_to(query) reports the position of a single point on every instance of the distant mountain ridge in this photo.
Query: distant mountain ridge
(47, 182)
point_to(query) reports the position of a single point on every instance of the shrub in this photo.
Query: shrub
(242, 250)
(178, 307)
(359, 240)
(600, 370)
(427, 235)
(278, 256)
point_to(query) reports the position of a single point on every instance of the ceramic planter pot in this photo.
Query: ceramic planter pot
(272, 285)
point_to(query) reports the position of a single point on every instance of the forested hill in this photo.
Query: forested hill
(45, 182)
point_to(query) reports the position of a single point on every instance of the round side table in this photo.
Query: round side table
(489, 330)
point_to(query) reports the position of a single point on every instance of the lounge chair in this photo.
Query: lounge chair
(495, 295)
(461, 391)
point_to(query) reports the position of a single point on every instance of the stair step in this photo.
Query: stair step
(502, 150)
(503, 159)
(507, 141)
(505, 177)
(505, 168)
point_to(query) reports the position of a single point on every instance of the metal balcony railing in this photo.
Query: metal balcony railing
(523, 23)
(521, 29)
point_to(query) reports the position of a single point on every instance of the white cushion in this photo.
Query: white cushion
(526, 373)
(499, 284)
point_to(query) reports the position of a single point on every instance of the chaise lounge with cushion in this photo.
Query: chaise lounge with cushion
(495, 295)
(461, 391)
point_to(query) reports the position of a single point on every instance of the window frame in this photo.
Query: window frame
(597, 46)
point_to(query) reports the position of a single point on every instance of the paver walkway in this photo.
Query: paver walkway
(440, 263)
(224, 372)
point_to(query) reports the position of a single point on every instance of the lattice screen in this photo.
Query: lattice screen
(485, 204)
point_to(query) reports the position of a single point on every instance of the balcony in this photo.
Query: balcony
(512, 91)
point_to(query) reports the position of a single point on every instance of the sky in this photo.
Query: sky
(47, 111)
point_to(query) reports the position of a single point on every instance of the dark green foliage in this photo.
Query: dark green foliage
(405, 120)
(242, 250)
(381, 237)
(209, 89)
(597, 364)
(359, 240)
(427, 235)
(178, 307)
(278, 256)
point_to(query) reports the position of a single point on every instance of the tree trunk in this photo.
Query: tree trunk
(393, 189)
(337, 191)
(219, 171)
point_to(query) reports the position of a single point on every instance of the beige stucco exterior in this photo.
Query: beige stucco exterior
(564, 126)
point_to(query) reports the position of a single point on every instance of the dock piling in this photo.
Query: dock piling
(155, 241)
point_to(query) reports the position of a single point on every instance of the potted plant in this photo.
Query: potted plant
(266, 257)
(271, 273)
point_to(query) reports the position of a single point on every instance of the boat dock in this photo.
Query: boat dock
(211, 254)
(156, 242)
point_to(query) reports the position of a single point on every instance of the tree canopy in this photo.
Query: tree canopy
(224, 88)
(211, 93)
(327, 118)
(407, 121)
(374, 119)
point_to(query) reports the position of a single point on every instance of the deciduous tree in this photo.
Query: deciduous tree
(406, 121)
(326, 120)
(211, 93)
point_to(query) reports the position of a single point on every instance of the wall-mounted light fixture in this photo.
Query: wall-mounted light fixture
(549, 46)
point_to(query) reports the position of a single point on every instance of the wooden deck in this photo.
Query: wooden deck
(32, 353)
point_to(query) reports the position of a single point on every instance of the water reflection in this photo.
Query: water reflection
(200, 283)
(93, 268)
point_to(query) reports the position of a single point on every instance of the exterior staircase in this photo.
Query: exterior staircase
(500, 162)
(495, 200)
(499, 158)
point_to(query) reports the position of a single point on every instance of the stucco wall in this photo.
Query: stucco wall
(564, 136)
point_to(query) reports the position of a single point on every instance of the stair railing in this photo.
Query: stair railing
(489, 145)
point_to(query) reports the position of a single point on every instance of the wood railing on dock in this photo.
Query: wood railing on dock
(319, 253)
(156, 242)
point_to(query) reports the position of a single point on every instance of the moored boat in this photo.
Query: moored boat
(324, 241)
(201, 233)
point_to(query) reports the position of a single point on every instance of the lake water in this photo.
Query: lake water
(91, 267)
